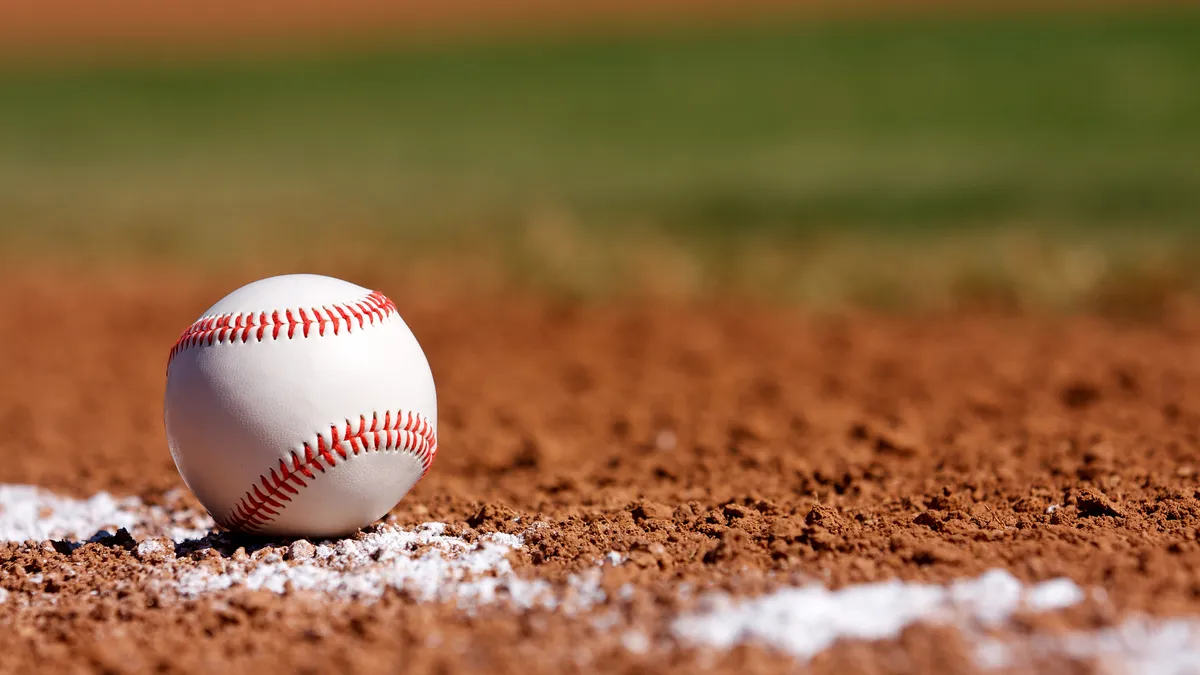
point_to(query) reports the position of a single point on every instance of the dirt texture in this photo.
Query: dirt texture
(709, 446)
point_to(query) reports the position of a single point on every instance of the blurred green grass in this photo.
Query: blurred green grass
(742, 155)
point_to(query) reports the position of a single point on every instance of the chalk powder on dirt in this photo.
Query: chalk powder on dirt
(30, 513)
(447, 569)
(803, 622)
(806, 621)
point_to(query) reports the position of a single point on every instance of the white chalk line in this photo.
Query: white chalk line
(425, 562)
(432, 566)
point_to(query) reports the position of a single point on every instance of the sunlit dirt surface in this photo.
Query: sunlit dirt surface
(636, 455)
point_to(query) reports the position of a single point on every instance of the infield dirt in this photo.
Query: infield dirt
(720, 445)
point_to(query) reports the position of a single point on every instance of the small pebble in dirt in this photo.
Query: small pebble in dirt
(1092, 503)
(665, 440)
(301, 549)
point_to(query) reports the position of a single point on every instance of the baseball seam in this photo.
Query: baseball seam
(265, 500)
(244, 326)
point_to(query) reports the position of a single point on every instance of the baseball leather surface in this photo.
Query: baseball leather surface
(300, 405)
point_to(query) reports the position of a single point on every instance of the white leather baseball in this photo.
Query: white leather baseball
(300, 405)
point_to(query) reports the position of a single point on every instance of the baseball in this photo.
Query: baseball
(300, 405)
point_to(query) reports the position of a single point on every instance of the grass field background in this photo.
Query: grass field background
(1032, 160)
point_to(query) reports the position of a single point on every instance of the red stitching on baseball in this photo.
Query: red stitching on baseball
(266, 499)
(246, 325)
